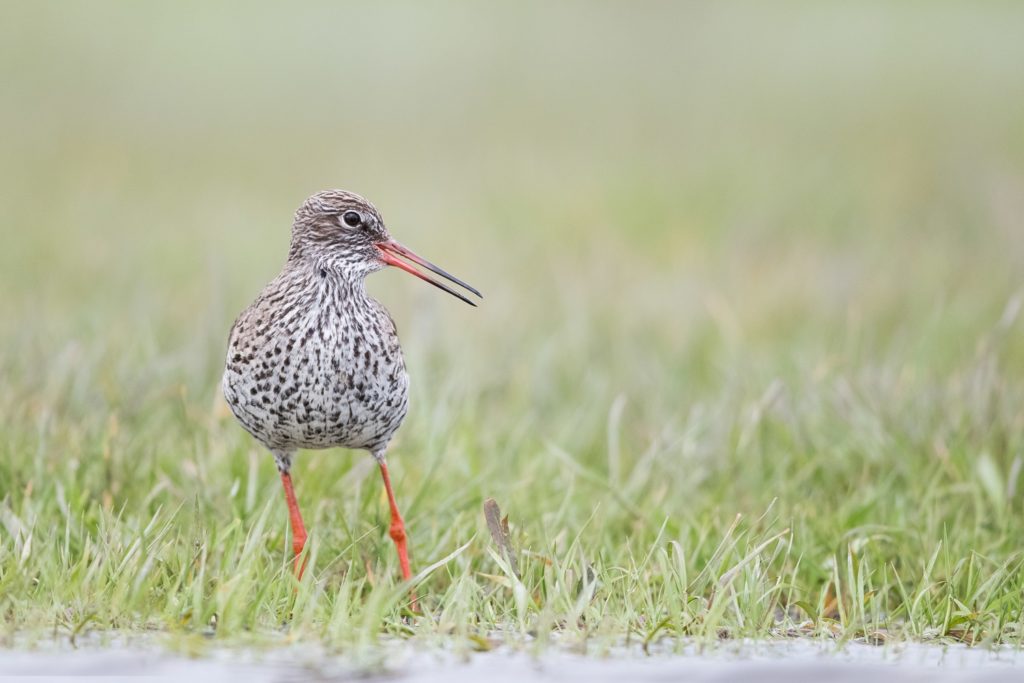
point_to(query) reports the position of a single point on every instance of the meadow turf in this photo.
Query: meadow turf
(750, 361)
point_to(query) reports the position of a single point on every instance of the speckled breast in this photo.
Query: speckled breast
(318, 376)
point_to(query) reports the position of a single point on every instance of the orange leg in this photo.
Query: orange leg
(298, 528)
(397, 525)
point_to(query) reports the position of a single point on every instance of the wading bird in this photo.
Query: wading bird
(315, 362)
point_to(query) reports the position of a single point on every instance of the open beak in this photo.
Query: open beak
(390, 251)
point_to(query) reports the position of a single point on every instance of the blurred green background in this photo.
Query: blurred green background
(796, 222)
(679, 193)
(644, 178)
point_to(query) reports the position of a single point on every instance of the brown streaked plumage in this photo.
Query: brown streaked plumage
(315, 362)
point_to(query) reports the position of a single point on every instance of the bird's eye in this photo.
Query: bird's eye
(352, 218)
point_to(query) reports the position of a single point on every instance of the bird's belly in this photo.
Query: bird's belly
(320, 400)
(332, 417)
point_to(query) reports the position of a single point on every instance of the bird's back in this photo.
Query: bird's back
(315, 363)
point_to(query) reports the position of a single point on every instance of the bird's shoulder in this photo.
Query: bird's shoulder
(284, 296)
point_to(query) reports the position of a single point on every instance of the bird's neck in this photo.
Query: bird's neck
(330, 284)
(344, 287)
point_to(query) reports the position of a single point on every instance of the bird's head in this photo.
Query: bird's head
(341, 232)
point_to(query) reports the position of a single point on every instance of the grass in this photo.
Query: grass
(751, 361)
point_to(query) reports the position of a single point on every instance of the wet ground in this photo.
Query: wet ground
(786, 661)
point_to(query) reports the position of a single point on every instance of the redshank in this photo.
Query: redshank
(315, 362)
